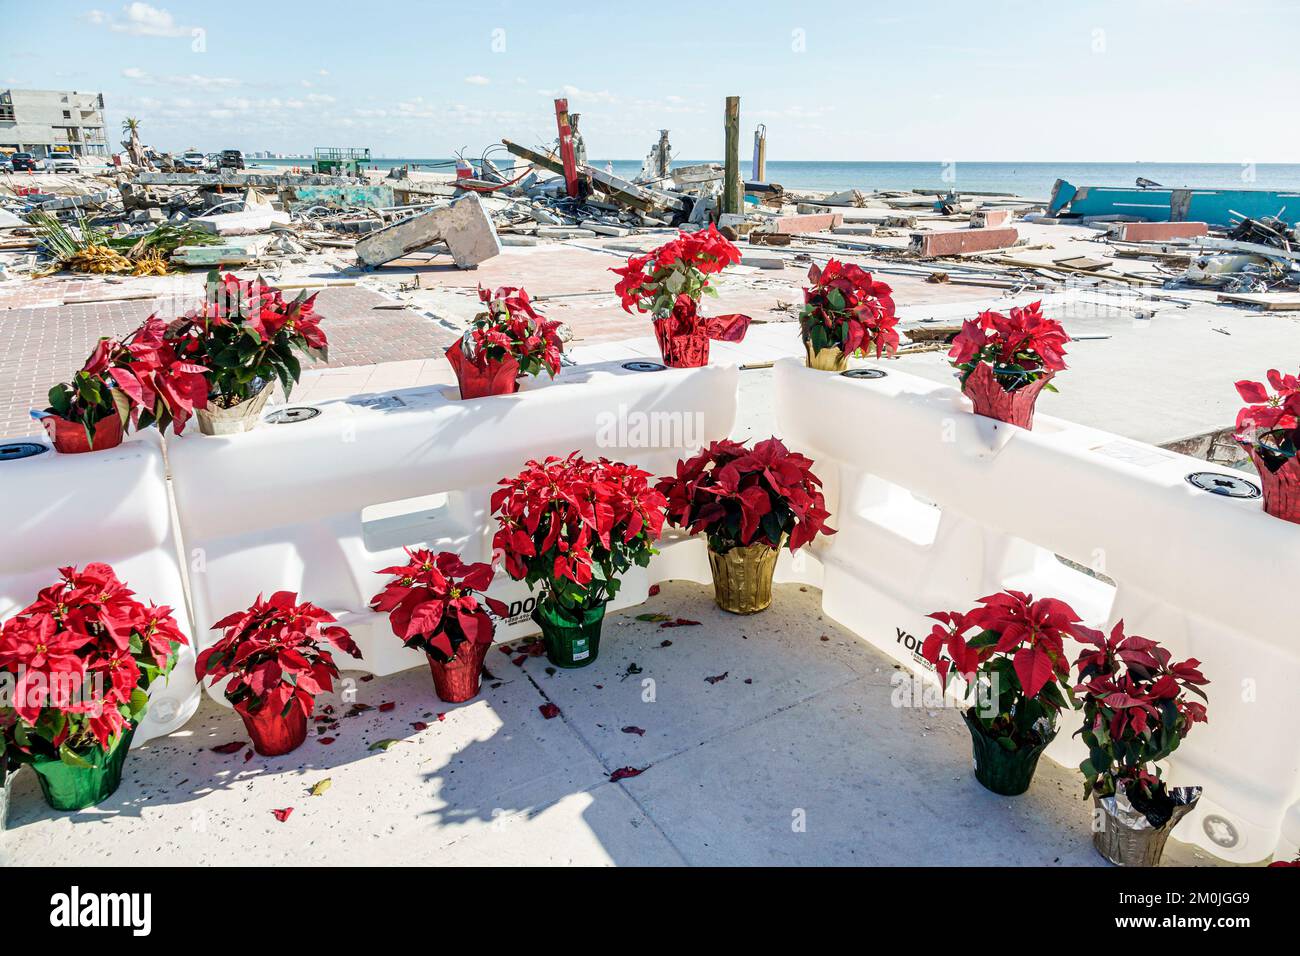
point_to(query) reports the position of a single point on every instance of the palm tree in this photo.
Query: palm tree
(131, 127)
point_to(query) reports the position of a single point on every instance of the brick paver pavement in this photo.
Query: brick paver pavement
(42, 346)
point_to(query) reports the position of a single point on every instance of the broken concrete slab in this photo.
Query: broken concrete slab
(762, 262)
(814, 222)
(854, 229)
(464, 225)
(952, 242)
(564, 232)
(1160, 231)
(605, 229)
(241, 180)
(246, 222)
(990, 218)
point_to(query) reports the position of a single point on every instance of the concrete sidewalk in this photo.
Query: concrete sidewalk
(796, 756)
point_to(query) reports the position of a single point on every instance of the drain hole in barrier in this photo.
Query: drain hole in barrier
(1230, 486)
(644, 366)
(16, 451)
(292, 415)
(865, 373)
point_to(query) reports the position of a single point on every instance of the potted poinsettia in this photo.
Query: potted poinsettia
(83, 656)
(669, 282)
(1005, 361)
(846, 312)
(246, 334)
(1269, 429)
(273, 654)
(748, 503)
(572, 527)
(140, 380)
(1136, 711)
(436, 604)
(1010, 654)
(507, 341)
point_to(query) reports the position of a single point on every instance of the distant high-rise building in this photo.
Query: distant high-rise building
(52, 122)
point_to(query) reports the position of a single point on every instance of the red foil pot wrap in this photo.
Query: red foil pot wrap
(681, 351)
(70, 438)
(458, 680)
(272, 733)
(993, 401)
(1281, 487)
(484, 376)
(684, 337)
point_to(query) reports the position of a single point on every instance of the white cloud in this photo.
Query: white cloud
(323, 72)
(477, 80)
(141, 20)
(134, 73)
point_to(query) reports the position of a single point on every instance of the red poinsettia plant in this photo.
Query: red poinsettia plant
(245, 335)
(435, 603)
(1270, 422)
(1020, 349)
(509, 339)
(573, 526)
(670, 282)
(140, 379)
(652, 282)
(739, 496)
(845, 308)
(1010, 652)
(1136, 711)
(273, 654)
(82, 657)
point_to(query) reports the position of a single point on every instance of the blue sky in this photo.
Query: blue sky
(1151, 80)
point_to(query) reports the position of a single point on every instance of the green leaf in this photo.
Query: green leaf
(72, 758)
(321, 786)
(384, 744)
(653, 617)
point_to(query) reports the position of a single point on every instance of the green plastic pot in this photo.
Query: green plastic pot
(570, 642)
(1008, 772)
(75, 788)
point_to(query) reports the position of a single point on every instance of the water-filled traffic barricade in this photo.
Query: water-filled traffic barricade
(318, 498)
(936, 507)
(111, 506)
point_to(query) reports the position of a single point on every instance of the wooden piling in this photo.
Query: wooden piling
(733, 199)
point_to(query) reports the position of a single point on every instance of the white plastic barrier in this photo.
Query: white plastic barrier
(936, 507)
(111, 506)
(317, 506)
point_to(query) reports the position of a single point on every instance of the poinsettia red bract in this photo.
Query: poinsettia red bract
(273, 656)
(83, 656)
(846, 308)
(740, 496)
(435, 603)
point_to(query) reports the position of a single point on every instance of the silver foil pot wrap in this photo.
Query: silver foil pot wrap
(1127, 838)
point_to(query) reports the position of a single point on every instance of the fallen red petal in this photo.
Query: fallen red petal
(386, 706)
(419, 725)
(328, 740)
(549, 710)
(714, 680)
(654, 589)
(234, 747)
(283, 815)
(680, 622)
(639, 731)
(624, 772)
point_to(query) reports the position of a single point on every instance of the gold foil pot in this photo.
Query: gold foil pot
(829, 359)
(215, 420)
(742, 578)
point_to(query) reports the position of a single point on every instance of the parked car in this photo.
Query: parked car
(63, 164)
(6, 165)
(24, 162)
(194, 159)
(232, 159)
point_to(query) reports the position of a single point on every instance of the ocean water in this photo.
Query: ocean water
(1032, 180)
